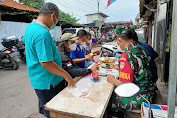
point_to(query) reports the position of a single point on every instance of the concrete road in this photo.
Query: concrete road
(17, 97)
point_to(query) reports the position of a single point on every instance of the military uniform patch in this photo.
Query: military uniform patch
(122, 65)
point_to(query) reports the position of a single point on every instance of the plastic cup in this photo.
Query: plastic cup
(105, 54)
(96, 61)
(95, 76)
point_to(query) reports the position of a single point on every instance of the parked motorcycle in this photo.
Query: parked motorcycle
(57, 43)
(110, 49)
(9, 56)
(21, 49)
(22, 54)
(109, 38)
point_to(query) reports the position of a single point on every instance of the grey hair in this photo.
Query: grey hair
(49, 8)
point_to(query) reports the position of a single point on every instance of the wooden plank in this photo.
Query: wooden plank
(77, 79)
(142, 114)
(148, 7)
(57, 115)
(141, 7)
(103, 113)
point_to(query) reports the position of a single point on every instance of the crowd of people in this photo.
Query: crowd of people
(50, 68)
(76, 54)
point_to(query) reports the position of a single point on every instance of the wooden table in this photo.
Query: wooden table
(88, 100)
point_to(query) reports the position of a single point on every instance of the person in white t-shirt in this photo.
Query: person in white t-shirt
(94, 41)
(88, 50)
(92, 34)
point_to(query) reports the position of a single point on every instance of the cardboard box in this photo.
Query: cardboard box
(159, 111)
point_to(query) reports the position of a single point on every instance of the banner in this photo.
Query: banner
(110, 2)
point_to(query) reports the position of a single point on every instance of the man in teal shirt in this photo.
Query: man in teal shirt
(44, 63)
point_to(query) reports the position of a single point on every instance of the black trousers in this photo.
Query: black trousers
(45, 96)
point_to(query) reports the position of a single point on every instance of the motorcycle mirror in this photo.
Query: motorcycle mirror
(127, 90)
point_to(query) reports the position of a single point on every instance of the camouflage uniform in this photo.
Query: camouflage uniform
(134, 67)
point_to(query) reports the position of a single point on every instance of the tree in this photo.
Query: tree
(68, 18)
(33, 3)
(38, 3)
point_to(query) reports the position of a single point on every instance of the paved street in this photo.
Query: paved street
(17, 97)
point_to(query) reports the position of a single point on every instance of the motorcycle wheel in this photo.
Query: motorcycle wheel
(15, 65)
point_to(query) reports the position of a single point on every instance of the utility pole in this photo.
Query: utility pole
(156, 26)
(155, 21)
(173, 64)
(98, 1)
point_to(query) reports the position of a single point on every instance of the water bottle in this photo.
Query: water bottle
(15, 48)
(117, 58)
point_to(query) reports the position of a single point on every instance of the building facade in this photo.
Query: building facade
(96, 17)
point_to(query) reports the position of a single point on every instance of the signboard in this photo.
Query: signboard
(95, 21)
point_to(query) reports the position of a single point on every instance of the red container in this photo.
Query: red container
(95, 76)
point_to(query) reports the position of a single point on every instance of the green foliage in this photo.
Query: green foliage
(33, 3)
(68, 18)
(38, 3)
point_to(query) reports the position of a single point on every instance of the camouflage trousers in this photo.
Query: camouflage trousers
(119, 104)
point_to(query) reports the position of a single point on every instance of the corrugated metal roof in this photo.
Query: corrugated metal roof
(12, 4)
